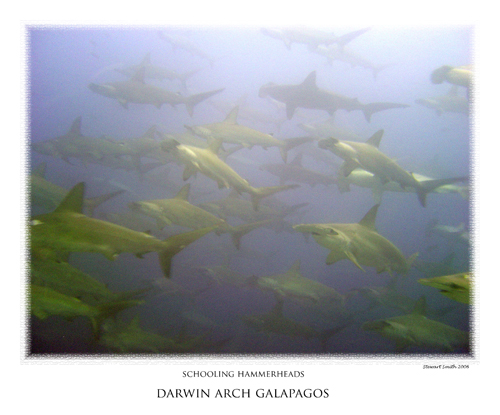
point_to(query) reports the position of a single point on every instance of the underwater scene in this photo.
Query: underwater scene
(246, 192)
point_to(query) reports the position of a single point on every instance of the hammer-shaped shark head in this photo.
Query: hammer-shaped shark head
(264, 89)
(337, 147)
(326, 235)
(169, 145)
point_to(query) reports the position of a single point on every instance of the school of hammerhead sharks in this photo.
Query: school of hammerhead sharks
(301, 313)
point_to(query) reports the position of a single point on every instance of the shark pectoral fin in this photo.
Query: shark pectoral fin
(177, 243)
(348, 166)
(221, 184)
(333, 256)
(111, 255)
(377, 194)
(123, 103)
(351, 257)
(162, 222)
(188, 172)
(290, 109)
(283, 153)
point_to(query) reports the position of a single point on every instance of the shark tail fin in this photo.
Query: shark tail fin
(176, 244)
(259, 193)
(348, 37)
(370, 109)
(193, 100)
(291, 143)
(430, 185)
(377, 69)
(93, 202)
(110, 309)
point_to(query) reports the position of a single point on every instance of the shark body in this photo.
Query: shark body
(366, 179)
(135, 90)
(415, 329)
(295, 172)
(368, 157)
(67, 230)
(229, 131)
(209, 164)
(455, 286)
(308, 95)
(360, 243)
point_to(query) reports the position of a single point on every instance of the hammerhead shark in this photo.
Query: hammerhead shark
(295, 172)
(311, 37)
(67, 230)
(360, 243)
(276, 323)
(156, 71)
(206, 161)
(368, 157)
(308, 95)
(180, 212)
(229, 131)
(137, 91)
(415, 329)
(455, 286)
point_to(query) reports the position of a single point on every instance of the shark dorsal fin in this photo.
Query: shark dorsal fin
(369, 219)
(147, 59)
(183, 193)
(295, 268)
(139, 75)
(76, 127)
(73, 202)
(420, 307)
(374, 140)
(297, 161)
(310, 81)
(151, 133)
(232, 115)
(39, 170)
